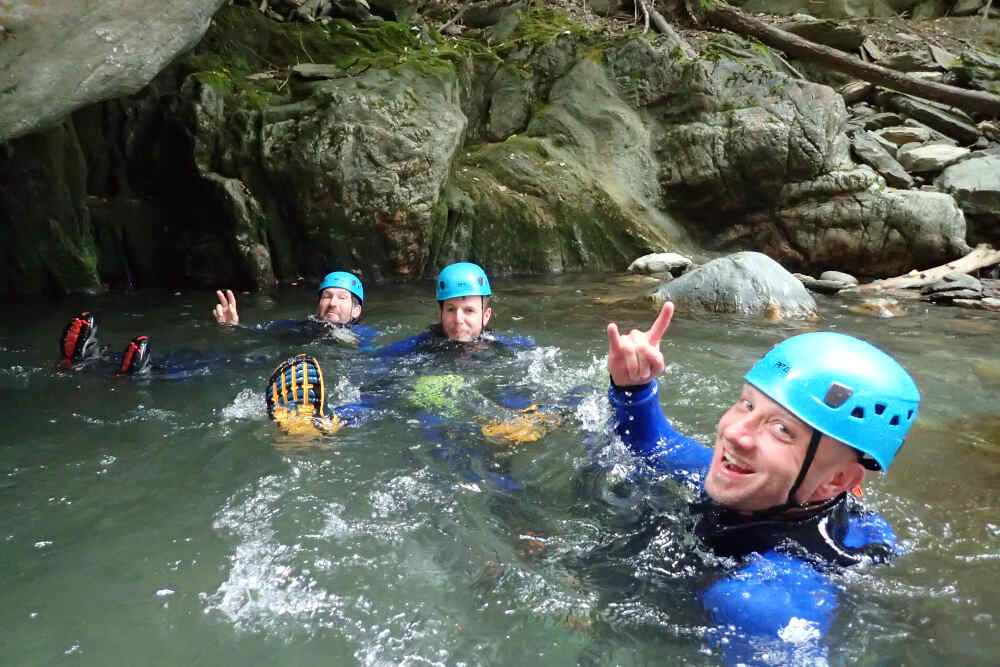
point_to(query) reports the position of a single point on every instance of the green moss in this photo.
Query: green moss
(241, 42)
(543, 25)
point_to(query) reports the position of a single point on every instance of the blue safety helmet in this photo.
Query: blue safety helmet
(842, 387)
(462, 279)
(344, 280)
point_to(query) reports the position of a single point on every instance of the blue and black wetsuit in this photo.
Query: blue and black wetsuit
(437, 421)
(434, 340)
(314, 328)
(779, 593)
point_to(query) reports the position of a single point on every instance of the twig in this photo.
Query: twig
(666, 29)
(645, 13)
(303, 45)
(454, 18)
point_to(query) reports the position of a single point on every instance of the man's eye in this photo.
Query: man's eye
(747, 405)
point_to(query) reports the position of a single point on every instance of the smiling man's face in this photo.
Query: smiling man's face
(759, 450)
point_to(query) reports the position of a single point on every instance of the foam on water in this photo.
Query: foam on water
(247, 404)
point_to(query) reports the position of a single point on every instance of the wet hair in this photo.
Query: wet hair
(356, 302)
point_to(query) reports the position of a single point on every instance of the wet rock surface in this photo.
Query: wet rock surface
(330, 134)
(748, 283)
(56, 57)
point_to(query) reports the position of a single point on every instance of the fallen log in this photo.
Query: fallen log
(982, 256)
(722, 15)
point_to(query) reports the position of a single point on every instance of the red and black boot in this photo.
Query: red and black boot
(79, 340)
(135, 358)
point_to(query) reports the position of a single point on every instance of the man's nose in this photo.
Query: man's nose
(741, 431)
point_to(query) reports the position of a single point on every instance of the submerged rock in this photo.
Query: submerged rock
(877, 307)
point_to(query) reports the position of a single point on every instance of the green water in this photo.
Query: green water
(167, 522)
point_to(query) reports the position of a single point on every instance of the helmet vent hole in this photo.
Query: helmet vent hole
(894, 421)
(858, 412)
(879, 408)
(909, 415)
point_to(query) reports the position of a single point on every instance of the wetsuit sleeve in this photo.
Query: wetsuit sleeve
(872, 535)
(513, 340)
(640, 423)
(366, 336)
(401, 348)
(775, 610)
(356, 414)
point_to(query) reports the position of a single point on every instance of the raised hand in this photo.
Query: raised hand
(225, 311)
(636, 359)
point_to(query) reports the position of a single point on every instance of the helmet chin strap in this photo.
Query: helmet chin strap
(791, 503)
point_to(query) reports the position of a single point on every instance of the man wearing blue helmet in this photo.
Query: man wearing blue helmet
(341, 296)
(464, 311)
(340, 301)
(815, 413)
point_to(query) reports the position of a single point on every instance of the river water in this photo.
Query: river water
(166, 521)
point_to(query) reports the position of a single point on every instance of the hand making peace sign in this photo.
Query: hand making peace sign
(636, 359)
(225, 311)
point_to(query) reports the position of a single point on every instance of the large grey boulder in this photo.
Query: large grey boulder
(577, 189)
(975, 184)
(358, 165)
(744, 143)
(56, 57)
(748, 283)
(876, 230)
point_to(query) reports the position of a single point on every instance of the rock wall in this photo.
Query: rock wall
(277, 150)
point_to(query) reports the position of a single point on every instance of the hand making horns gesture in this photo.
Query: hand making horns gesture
(635, 359)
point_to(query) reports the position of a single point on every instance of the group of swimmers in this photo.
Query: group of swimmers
(777, 492)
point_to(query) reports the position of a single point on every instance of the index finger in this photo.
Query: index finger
(231, 297)
(661, 323)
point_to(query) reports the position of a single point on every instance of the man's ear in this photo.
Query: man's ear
(356, 311)
(848, 475)
(487, 314)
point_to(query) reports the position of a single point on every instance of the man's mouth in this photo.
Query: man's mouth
(732, 466)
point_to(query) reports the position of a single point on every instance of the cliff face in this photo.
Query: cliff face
(281, 149)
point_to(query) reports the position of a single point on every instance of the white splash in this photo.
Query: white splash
(248, 404)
